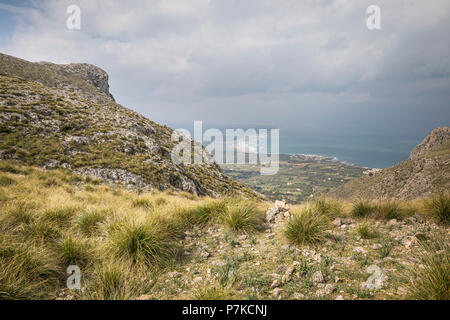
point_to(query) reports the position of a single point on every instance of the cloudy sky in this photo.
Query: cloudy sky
(274, 63)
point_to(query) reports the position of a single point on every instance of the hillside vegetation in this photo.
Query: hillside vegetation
(175, 245)
(426, 171)
(63, 116)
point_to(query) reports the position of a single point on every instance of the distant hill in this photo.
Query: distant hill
(63, 116)
(426, 171)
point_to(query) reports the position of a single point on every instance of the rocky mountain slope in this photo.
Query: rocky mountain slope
(63, 116)
(426, 171)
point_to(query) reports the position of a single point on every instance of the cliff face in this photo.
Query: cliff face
(426, 171)
(63, 116)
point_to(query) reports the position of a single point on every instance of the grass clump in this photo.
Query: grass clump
(88, 222)
(432, 281)
(388, 210)
(61, 216)
(148, 242)
(242, 215)
(203, 213)
(112, 281)
(215, 292)
(6, 181)
(307, 226)
(366, 231)
(362, 209)
(73, 251)
(328, 207)
(439, 207)
(142, 203)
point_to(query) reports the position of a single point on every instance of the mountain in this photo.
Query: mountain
(63, 116)
(426, 171)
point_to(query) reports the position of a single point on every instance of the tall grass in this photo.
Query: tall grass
(438, 207)
(366, 231)
(431, 280)
(306, 226)
(88, 222)
(328, 207)
(390, 209)
(142, 241)
(242, 215)
(362, 208)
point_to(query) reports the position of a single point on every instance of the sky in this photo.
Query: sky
(254, 63)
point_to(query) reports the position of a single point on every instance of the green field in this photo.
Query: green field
(297, 179)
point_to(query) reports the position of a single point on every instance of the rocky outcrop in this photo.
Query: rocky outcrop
(92, 74)
(426, 171)
(278, 213)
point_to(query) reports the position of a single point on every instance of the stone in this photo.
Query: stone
(275, 284)
(174, 274)
(198, 279)
(339, 297)
(359, 250)
(318, 277)
(298, 296)
(329, 288)
(337, 222)
(277, 292)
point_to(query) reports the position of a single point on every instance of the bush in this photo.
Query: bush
(432, 282)
(147, 242)
(439, 207)
(362, 209)
(242, 215)
(306, 227)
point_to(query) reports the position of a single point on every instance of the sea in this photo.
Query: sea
(358, 147)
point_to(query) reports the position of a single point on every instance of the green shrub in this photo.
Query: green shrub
(242, 215)
(439, 207)
(306, 227)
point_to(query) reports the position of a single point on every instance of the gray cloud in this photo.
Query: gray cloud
(255, 61)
